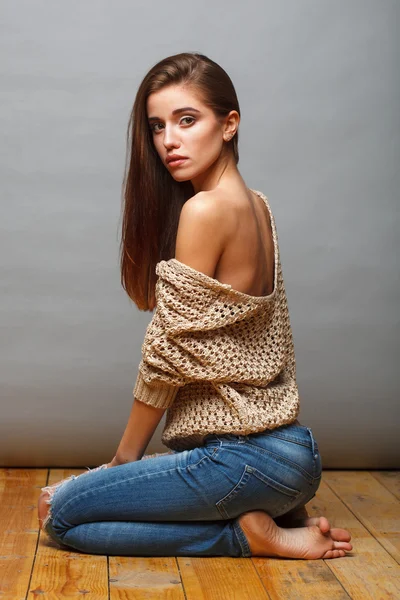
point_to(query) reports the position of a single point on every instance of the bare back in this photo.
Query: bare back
(247, 262)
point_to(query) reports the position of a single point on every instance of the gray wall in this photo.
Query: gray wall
(318, 88)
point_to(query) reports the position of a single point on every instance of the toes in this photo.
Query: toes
(342, 546)
(342, 535)
(340, 549)
(321, 522)
(324, 524)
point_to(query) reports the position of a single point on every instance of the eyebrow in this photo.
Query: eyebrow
(176, 111)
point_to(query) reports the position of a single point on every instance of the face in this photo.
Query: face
(182, 124)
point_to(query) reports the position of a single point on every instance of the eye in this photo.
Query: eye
(193, 119)
(153, 127)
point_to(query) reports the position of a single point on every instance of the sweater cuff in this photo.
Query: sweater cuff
(157, 395)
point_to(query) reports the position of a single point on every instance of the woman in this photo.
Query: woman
(218, 355)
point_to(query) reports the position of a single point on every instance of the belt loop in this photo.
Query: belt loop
(242, 439)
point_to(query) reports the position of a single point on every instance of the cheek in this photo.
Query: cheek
(205, 135)
(204, 142)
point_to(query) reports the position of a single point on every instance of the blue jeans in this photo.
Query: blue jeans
(187, 503)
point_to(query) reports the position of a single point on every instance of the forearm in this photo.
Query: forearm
(143, 421)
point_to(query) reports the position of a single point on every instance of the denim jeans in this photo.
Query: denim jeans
(187, 503)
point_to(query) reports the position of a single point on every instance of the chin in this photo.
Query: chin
(187, 174)
(182, 178)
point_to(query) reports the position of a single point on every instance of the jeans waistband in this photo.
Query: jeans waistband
(240, 438)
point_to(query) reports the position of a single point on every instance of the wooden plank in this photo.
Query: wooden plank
(60, 573)
(372, 503)
(153, 578)
(390, 479)
(19, 526)
(368, 572)
(63, 573)
(285, 579)
(220, 577)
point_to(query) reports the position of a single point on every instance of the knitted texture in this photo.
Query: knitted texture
(220, 360)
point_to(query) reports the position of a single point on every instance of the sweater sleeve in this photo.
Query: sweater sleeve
(159, 395)
(158, 380)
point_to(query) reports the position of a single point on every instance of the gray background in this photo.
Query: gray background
(318, 86)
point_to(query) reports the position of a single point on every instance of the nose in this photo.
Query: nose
(170, 138)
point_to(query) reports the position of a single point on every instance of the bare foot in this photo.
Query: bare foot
(313, 541)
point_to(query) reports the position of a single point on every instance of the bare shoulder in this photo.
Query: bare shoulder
(206, 203)
(201, 235)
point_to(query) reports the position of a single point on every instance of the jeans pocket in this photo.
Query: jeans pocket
(199, 455)
(257, 491)
(212, 450)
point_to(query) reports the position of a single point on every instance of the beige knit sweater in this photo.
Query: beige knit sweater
(220, 360)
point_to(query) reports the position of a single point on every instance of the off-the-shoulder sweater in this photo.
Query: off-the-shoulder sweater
(220, 360)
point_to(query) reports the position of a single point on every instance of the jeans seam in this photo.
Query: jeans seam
(244, 545)
(281, 459)
(118, 483)
(312, 441)
(291, 439)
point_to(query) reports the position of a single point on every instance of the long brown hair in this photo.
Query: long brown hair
(152, 199)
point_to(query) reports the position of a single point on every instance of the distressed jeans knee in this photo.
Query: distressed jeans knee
(52, 491)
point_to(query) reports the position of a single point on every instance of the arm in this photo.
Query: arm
(199, 244)
(142, 423)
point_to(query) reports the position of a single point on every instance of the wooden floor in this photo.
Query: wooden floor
(364, 502)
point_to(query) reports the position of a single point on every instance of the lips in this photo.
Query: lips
(174, 158)
(179, 162)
